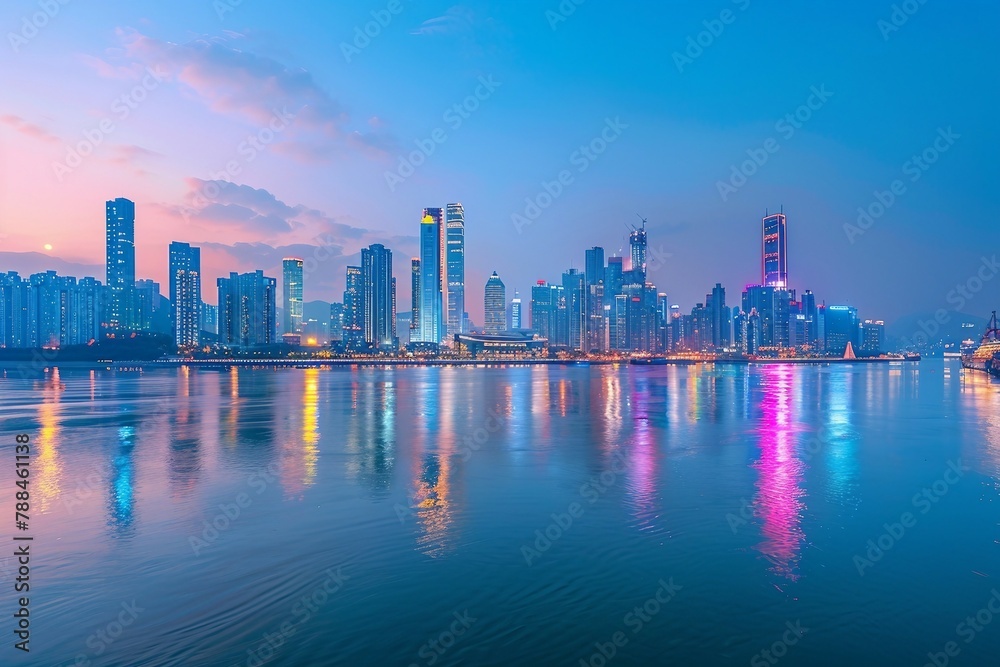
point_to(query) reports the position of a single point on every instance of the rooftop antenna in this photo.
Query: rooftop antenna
(643, 221)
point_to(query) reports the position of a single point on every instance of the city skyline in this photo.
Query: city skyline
(690, 126)
(605, 308)
(120, 234)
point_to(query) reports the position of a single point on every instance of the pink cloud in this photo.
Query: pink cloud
(29, 129)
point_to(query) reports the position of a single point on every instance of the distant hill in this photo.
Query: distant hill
(951, 331)
(316, 310)
(141, 347)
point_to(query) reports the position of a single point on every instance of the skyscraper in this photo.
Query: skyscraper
(637, 242)
(120, 266)
(414, 298)
(663, 322)
(292, 283)
(841, 328)
(336, 321)
(754, 328)
(772, 308)
(378, 297)
(573, 284)
(431, 296)
(496, 305)
(873, 337)
(354, 333)
(13, 311)
(811, 319)
(614, 279)
(775, 252)
(515, 312)
(247, 310)
(594, 265)
(720, 317)
(210, 318)
(147, 305)
(543, 310)
(185, 293)
(594, 276)
(455, 223)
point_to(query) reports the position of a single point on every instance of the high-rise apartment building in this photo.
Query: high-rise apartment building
(353, 318)
(120, 264)
(247, 310)
(185, 293)
(378, 297)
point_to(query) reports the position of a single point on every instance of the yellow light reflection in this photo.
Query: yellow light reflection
(310, 426)
(47, 482)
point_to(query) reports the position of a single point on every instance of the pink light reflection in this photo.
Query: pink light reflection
(778, 499)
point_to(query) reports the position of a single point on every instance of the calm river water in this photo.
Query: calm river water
(841, 515)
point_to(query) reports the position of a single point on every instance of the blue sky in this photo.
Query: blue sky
(225, 67)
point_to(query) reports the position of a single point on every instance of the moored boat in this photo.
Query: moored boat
(982, 358)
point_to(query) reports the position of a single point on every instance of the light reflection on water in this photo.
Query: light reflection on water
(374, 469)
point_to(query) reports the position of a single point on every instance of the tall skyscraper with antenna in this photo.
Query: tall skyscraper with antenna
(637, 241)
(774, 260)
